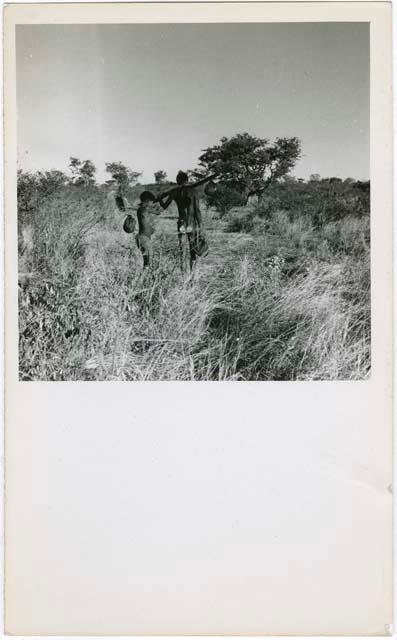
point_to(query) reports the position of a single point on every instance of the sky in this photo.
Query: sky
(154, 96)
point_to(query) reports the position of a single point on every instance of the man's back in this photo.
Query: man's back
(187, 202)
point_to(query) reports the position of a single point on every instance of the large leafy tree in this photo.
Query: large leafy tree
(122, 175)
(249, 164)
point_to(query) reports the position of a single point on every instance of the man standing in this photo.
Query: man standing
(189, 215)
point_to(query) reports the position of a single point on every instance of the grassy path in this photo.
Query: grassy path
(223, 246)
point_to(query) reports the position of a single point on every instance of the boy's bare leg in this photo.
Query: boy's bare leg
(150, 254)
(145, 245)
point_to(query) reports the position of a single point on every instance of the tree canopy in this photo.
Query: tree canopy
(160, 176)
(83, 171)
(121, 174)
(249, 164)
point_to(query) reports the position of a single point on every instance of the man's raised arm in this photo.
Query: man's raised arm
(186, 185)
(200, 182)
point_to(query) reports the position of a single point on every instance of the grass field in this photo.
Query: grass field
(277, 298)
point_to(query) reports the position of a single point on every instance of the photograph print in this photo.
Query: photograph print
(193, 202)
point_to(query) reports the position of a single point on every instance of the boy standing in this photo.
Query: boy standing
(146, 209)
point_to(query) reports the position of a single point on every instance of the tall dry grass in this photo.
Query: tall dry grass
(289, 303)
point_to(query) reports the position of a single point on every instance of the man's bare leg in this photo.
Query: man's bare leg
(182, 251)
(192, 256)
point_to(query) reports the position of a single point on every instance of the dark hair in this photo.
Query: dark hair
(147, 196)
(182, 177)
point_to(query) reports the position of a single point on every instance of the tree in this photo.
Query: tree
(87, 173)
(249, 164)
(160, 176)
(122, 175)
(83, 171)
(74, 166)
(197, 174)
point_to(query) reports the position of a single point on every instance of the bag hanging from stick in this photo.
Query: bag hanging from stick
(129, 224)
(201, 246)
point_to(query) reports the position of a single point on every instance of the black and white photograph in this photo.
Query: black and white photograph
(198, 192)
(193, 201)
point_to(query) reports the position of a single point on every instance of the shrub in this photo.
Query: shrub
(322, 201)
(349, 236)
(241, 220)
(224, 199)
(33, 188)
